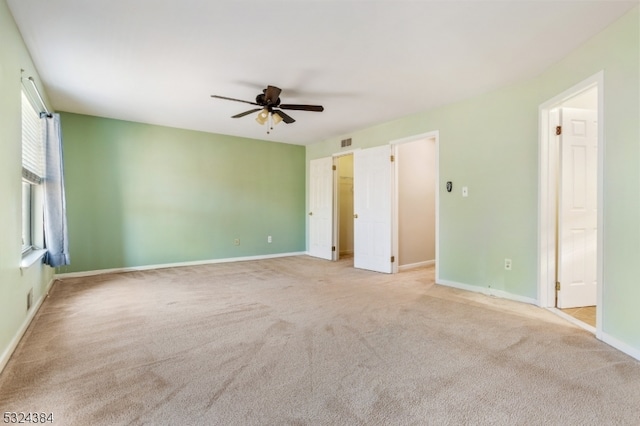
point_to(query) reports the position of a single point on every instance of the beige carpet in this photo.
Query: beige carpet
(303, 341)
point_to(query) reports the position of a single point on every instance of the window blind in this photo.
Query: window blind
(32, 143)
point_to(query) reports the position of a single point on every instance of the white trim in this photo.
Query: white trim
(620, 345)
(335, 220)
(335, 211)
(572, 320)
(13, 344)
(428, 135)
(435, 135)
(546, 204)
(31, 257)
(437, 261)
(416, 265)
(175, 265)
(600, 232)
(488, 291)
(342, 153)
(606, 338)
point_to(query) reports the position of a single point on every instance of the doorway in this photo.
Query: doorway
(371, 218)
(344, 207)
(415, 203)
(360, 186)
(570, 204)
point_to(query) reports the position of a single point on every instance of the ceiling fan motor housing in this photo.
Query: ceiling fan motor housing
(262, 100)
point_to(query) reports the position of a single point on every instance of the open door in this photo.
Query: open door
(577, 209)
(321, 208)
(372, 176)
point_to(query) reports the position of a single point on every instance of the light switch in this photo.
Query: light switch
(465, 191)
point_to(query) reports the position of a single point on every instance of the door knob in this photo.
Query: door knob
(355, 216)
(310, 213)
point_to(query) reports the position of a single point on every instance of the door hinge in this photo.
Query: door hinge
(393, 259)
(558, 130)
(333, 248)
(393, 158)
(557, 285)
(333, 167)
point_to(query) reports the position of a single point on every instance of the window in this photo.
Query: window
(32, 174)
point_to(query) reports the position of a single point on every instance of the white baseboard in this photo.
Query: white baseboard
(6, 355)
(416, 265)
(174, 265)
(621, 346)
(488, 291)
(572, 320)
(606, 338)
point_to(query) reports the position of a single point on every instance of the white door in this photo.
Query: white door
(321, 207)
(372, 209)
(578, 210)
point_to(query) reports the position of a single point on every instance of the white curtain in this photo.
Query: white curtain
(55, 210)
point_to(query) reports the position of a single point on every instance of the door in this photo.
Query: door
(372, 209)
(577, 209)
(321, 207)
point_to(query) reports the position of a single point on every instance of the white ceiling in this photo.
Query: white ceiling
(158, 61)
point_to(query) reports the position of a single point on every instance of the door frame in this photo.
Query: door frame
(395, 201)
(547, 196)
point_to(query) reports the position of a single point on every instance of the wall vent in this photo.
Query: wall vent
(29, 299)
(345, 142)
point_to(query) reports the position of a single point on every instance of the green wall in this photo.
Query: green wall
(141, 194)
(15, 283)
(490, 144)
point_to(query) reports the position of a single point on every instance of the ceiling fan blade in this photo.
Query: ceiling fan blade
(285, 117)
(242, 114)
(316, 108)
(233, 99)
(271, 94)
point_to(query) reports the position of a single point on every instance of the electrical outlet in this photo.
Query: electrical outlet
(236, 242)
(507, 264)
(269, 239)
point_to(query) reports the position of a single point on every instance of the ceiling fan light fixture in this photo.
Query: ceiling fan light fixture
(276, 118)
(262, 116)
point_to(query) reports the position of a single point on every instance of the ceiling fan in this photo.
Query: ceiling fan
(268, 101)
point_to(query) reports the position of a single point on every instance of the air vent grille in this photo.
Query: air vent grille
(29, 299)
(345, 142)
